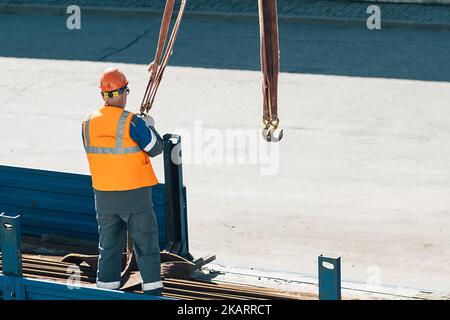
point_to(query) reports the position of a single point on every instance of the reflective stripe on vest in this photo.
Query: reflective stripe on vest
(118, 149)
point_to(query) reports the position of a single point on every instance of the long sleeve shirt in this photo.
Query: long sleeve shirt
(147, 137)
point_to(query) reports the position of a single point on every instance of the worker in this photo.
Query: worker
(118, 145)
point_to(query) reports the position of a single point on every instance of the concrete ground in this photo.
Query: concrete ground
(363, 169)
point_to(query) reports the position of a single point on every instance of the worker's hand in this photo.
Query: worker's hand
(149, 121)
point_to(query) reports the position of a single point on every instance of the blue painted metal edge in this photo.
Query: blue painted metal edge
(10, 235)
(22, 288)
(329, 278)
(15, 287)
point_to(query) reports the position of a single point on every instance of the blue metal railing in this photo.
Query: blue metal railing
(13, 286)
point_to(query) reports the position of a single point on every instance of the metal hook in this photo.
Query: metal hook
(268, 134)
(265, 134)
(275, 138)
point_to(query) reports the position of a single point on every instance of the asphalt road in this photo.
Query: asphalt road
(363, 169)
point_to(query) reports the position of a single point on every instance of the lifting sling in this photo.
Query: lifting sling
(270, 65)
(160, 61)
(270, 62)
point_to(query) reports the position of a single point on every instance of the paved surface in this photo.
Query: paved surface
(363, 168)
(305, 9)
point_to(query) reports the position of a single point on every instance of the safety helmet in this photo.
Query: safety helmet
(112, 80)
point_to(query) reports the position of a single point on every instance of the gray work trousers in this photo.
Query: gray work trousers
(143, 229)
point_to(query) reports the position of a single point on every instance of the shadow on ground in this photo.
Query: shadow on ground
(313, 49)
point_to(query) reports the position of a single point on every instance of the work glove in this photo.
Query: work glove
(149, 121)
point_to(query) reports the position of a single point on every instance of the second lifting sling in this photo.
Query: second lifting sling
(270, 66)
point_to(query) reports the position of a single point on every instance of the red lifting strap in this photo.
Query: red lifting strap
(270, 66)
(160, 62)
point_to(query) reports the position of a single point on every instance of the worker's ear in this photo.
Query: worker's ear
(122, 100)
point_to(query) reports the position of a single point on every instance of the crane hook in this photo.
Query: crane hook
(268, 134)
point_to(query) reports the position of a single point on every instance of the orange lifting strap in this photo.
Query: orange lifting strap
(160, 62)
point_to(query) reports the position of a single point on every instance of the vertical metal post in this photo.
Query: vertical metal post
(10, 235)
(329, 278)
(10, 232)
(175, 196)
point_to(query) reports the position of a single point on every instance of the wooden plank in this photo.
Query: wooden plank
(251, 290)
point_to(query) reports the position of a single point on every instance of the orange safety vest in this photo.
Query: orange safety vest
(116, 161)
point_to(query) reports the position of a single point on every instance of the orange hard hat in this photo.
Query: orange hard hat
(112, 79)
